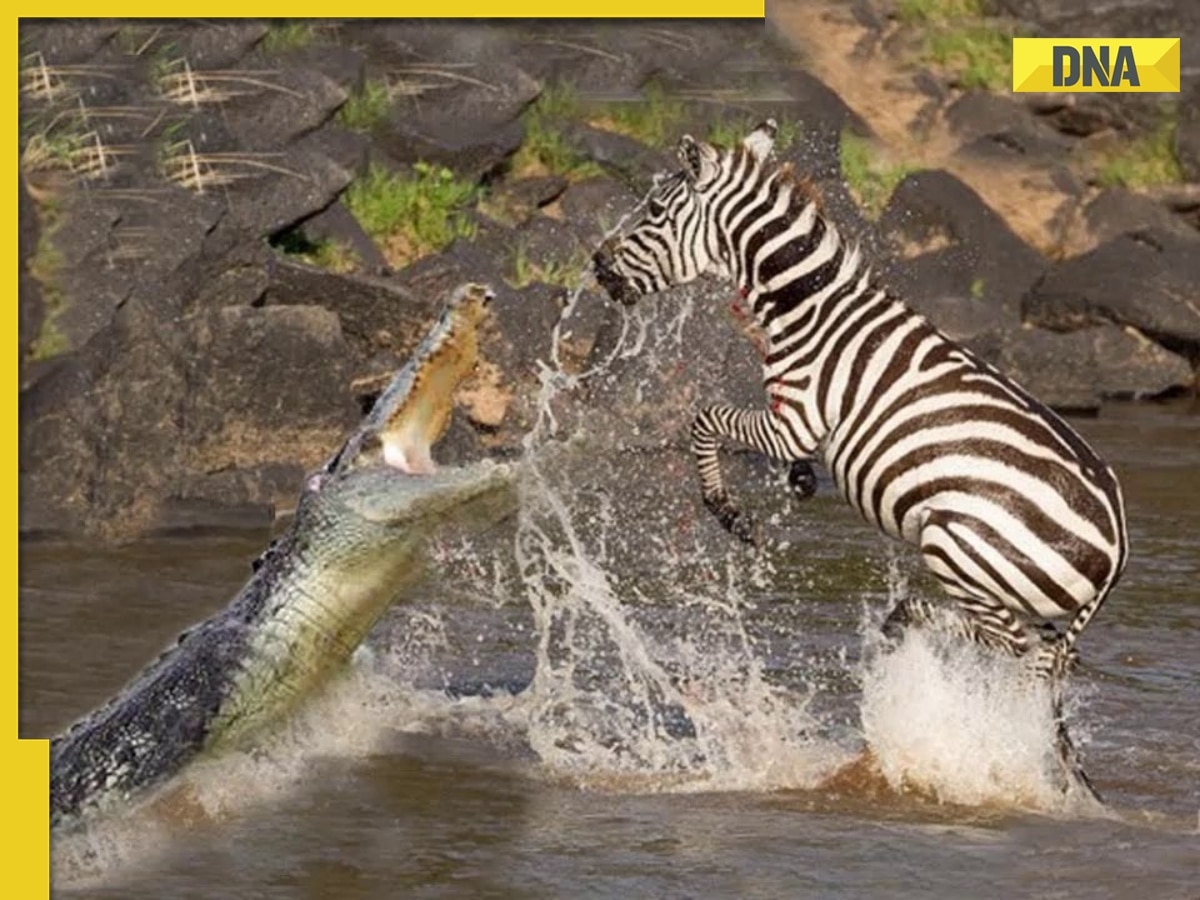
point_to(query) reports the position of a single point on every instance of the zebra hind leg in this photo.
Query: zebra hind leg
(999, 627)
(907, 613)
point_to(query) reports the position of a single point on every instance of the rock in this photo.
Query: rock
(1146, 280)
(31, 310)
(1083, 115)
(349, 149)
(219, 45)
(306, 183)
(31, 313)
(551, 250)
(956, 249)
(68, 42)
(110, 408)
(337, 225)
(595, 205)
(346, 66)
(487, 258)
(458, 95)
(1073, 372)
(514, 346)
(295, 102)
(515, 201)
(995, 126)
(162, 412)
(1187, 135)
(1116, 211)
(375, 314)
(1055, 368)
(616, 59)
(628, 160)
(1129, 366)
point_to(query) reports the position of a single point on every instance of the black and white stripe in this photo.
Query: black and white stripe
(1016, 516)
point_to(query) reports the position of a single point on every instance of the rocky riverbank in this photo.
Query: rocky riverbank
(231, 232)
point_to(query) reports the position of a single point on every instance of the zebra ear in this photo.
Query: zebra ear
(690, 156)
(761, 141)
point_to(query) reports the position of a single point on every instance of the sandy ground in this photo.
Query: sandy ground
(879, 86)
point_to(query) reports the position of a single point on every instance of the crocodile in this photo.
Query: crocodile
(354, 543)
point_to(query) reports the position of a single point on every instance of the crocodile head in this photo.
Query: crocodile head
(414, 410)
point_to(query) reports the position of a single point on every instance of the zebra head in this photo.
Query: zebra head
(673, 241)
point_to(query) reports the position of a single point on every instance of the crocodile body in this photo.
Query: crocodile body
(355, 542)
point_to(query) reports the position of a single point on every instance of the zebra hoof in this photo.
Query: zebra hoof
(741, 525)
(802, 479)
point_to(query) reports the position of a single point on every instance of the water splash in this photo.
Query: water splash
(649, 682)
(618, 704)
(962, 724)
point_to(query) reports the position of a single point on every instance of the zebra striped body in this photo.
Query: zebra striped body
(1012, 511)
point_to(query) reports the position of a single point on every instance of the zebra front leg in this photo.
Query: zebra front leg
(759, 429)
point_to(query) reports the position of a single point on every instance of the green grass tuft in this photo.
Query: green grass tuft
(412, 213)
(545, 148)
(1146, 161)
(655, 119)
(919, 12)
(325, 254)
(727, 132)
(959, 36)
(980, 55)
(567, 274)
(871, 180)
(46, 266)
(286, 35)
(367, 108)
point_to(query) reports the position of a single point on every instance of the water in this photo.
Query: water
(606, 698)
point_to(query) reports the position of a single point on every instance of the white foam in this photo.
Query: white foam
(963, 724)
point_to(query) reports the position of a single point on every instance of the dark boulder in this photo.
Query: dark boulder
(144, 413)
(1187, 134)
(375, 314)
(595, 206)
(215, 45)
(623, 157)
(1074, 372)
(291, 103)
(337, 225)
(1116, 211)
(31, 308)
(993, 126)
(460, 111)
(957, 261)
(1147, 280)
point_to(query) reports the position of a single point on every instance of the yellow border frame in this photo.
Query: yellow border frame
(26, 763)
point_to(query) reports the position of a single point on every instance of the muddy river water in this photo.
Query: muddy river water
(580, 708)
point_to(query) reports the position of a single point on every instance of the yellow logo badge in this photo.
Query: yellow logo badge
(1106, 65)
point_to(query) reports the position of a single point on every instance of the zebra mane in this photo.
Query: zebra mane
(804, 189)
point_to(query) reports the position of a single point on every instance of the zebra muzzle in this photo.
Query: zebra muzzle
(604, 264)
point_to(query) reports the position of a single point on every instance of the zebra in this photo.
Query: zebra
(1012, 512)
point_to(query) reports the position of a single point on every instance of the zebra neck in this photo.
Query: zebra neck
(797, 274)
